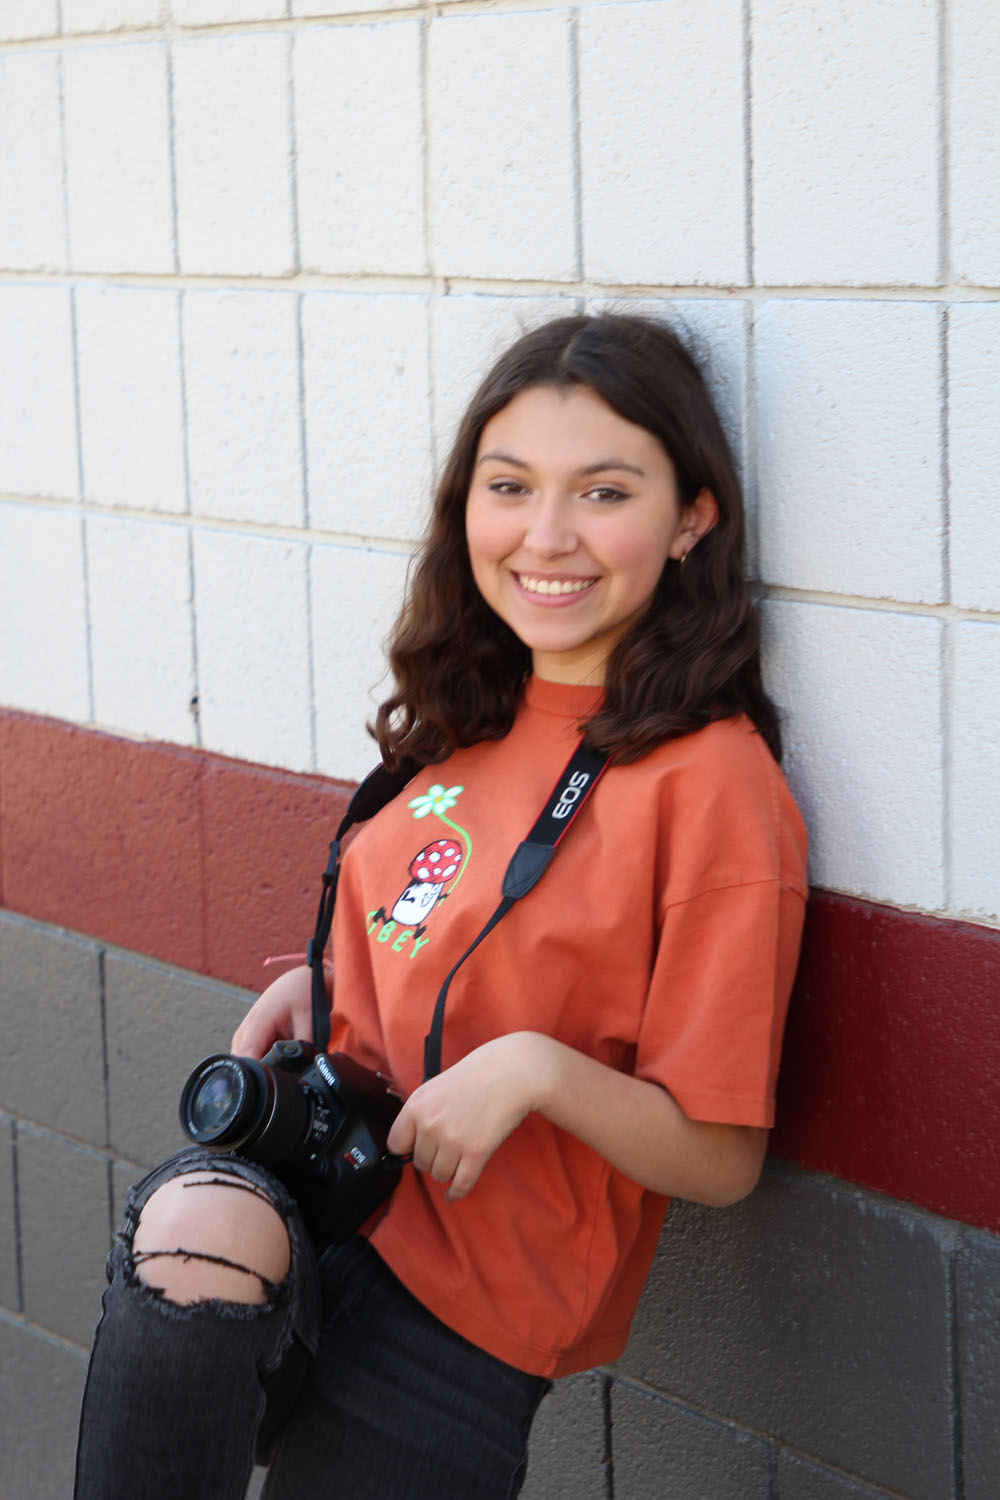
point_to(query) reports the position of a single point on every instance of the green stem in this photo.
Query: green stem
(465, 839)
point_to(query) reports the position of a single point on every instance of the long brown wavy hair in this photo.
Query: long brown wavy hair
(691, 657)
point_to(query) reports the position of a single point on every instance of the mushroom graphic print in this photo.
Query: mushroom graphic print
(437, 863)
(429, 870)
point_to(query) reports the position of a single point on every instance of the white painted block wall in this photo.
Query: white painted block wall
(254, 254)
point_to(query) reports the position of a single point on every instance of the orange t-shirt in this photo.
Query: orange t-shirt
(662, 941)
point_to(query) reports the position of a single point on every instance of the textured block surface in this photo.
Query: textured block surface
(65, 1222)
(469, 333)
(52, 1059)
(974, 453)
(253, 668)
(209, 12)
(502, 206)
(242, 386)
(845, 124)
(979, 1353)
(42, 1380)
(43, 634)
(131, 404)
(860, 692)
(232, 152)
(160, 1025)
(367, 406)
(974, 126)
(10, 1290)
(799, 1478)
(139, 574)
(121, 210)
(658, 1448)
(359, 140)
(242, 391)
(975, 770)
(282, 834)
(663, 186)
(567, 1458)
(108, 872)
(38, 454)
(28, 18)
(849, 431)
(33, 225)
(352, 610)
(111, 15)
(842, 1301)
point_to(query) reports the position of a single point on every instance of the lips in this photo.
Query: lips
(548, 587)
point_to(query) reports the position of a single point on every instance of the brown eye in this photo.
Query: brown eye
(606, 494)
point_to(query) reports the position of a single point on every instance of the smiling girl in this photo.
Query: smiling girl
(612, 1043)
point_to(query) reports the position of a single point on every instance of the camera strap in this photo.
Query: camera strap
(528, 864)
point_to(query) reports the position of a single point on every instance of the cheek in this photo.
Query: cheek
(639, 562)
(489, 536)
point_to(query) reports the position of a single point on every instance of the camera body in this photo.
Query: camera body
(319, 1121)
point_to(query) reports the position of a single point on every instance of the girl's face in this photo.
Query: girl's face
(571, 516)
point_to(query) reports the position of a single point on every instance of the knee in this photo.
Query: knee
(209, 1235)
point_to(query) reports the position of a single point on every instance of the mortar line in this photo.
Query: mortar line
(747, 25)
(102, 1002)
(84, 538)
(948, 294)
(175, 228)
(194, 703)
(576, 118)
(311, 663)
(944, 142)
(64, 155)
(948, 635)
(293, 160)
(955, 1374)
(608, 1457)
(433, 283)
(751, 471)
(18, 1248)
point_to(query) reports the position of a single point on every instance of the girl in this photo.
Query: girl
(613, 1042)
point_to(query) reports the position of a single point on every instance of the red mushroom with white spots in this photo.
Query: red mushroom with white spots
(435, 864)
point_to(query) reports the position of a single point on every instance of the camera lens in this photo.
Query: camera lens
(219, 1101)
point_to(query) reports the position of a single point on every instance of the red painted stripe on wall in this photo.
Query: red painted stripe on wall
(891, 1076)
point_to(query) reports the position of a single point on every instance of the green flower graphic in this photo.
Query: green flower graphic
(437, 799)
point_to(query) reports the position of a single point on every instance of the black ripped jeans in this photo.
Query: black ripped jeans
(340, 1380)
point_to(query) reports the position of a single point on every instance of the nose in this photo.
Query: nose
(550, 531)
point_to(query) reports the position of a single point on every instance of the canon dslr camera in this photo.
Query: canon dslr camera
(319, 1121)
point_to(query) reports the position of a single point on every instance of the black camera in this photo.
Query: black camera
(319, 1121)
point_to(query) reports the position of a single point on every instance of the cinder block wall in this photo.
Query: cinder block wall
(253, 254)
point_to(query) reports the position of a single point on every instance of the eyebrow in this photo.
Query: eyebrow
(600, 467)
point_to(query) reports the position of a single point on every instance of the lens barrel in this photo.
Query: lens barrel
(219, 1102)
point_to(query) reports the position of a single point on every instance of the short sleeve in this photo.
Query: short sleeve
(715, 1011)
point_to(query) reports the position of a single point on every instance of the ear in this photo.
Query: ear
(697, 520)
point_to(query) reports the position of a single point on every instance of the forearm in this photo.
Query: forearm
(640, 1129)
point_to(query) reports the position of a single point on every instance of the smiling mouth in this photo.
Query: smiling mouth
(550, 587)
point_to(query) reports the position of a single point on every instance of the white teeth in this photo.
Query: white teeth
(554, 585)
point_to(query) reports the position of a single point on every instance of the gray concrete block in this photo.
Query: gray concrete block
(42, 1382)
(124, 1175)
(803, 1312)
(52, 1059)
(10, 1293)
(659, 1449)
(979, 1363)
(566, 1454)
(161, 1022)
(801, 1479)
(65, 1232)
